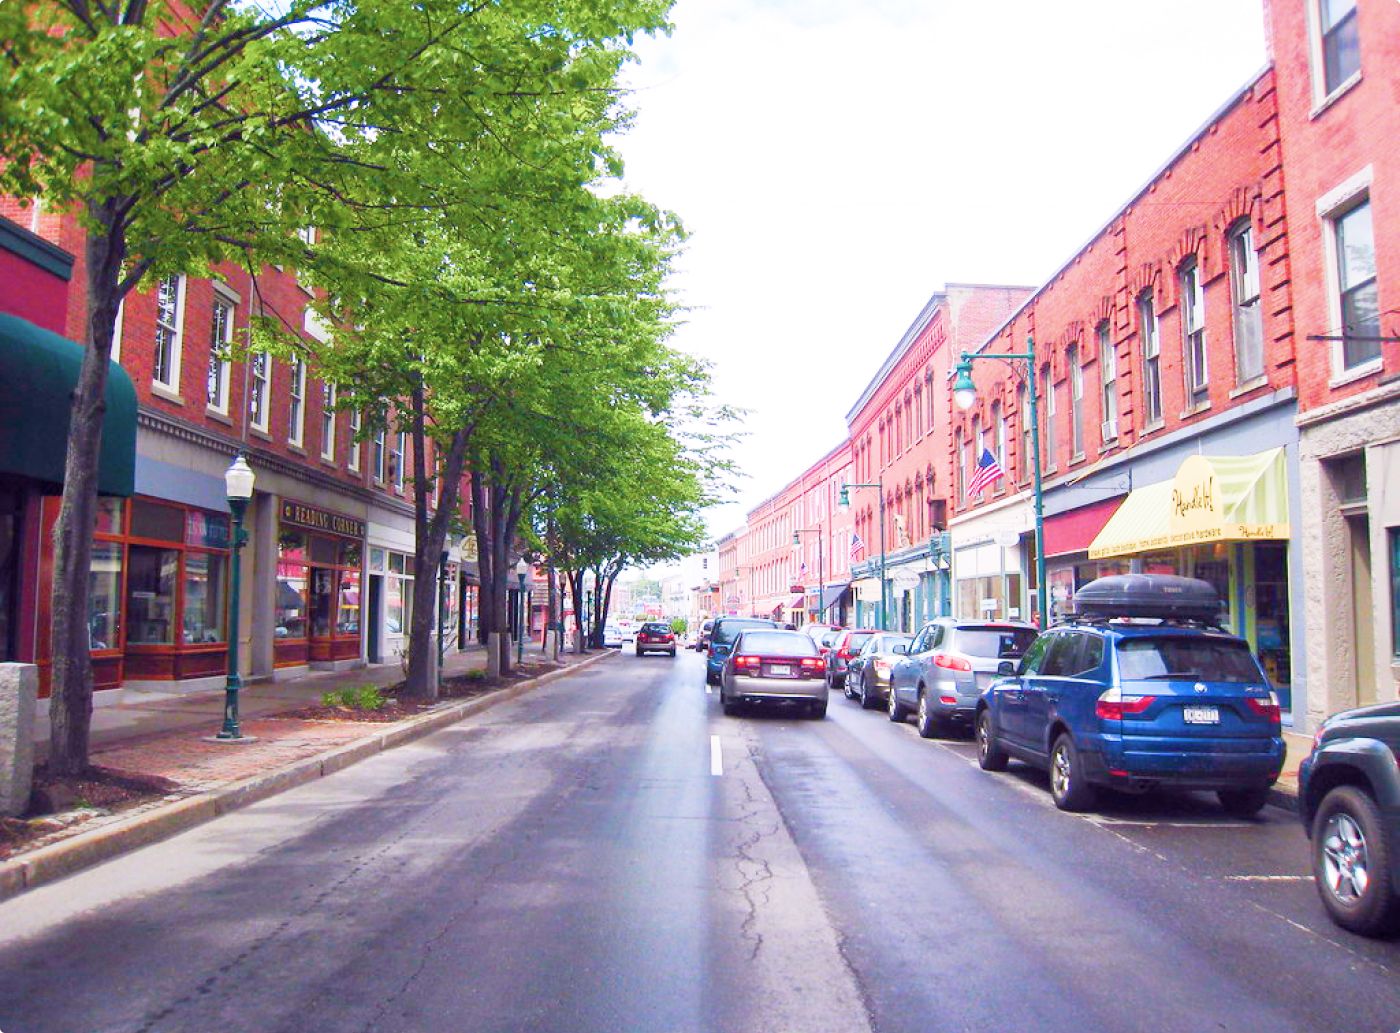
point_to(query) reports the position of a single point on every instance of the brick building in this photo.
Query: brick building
(328, 568)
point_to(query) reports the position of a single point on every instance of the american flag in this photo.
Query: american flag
(857, 546)
(802, 570)
(988, 470)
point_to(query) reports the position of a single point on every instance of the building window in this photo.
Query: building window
(918, 412)
(1108, 378)
(960, 448)
(170, 304)
(328, 422)
(377, 456)
(1355, 246)
(220, 340)
(999, 432)
(1076, 402)
(354, 460)
(396, 459)
(296, 422)
(1023, 414)
(1244, 286)
(257, 391)
(1341, 43)
(1049, 452)
(1151, 360)
(1193, 330)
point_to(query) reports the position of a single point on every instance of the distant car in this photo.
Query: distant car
(702, 640)
(612, 636)
(1349, 803)
(844, 646)
(868, 672)
(950, 663)
(1101, 702)
(656, 637)
(773, 667)
(820, 633)
(722, 636)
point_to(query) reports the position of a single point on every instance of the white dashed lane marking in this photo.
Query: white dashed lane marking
(716, 756)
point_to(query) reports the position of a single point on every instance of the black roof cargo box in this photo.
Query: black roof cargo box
(1163, 596)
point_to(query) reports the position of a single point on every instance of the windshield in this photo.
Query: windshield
(776, 643)
(727, 631)
(886, 643)
(1178, 657)
(656, 629)
(998, 643)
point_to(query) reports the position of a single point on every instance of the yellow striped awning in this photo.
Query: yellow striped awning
(1211, 499)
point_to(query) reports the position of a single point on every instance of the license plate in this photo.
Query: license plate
(1201, 715)
(780, 670)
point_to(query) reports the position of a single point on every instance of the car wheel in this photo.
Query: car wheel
(730, 709)
(1352, 865)
(1243, 803)
(929, 723)
(867, 698)
(898, 712)
(1067, 785)
(990, 755)
(847, 690)
(672, 654)
(818, 710)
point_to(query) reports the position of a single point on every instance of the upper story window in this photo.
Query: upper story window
(220, 342)
(1076, 401)
(908, 424)
(1151, 360)
(999, 434)
(918, 411)
(960, 449)
(1244, 292)
(1048, 451)
(307, 235)
(377, 456)
(296, 404)
(396, 459)
(1108, 381)
(1193, 330)
(1354, 245)
(1023, 414)
(1340, 43)
(170, 312)
(257, 390)
(328, 422)
(354, 460)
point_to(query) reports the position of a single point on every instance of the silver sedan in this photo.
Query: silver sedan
(774, 667)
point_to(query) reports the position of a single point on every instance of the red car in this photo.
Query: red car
(844, 645)
(656, 637)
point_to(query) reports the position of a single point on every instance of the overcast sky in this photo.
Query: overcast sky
(838, 161)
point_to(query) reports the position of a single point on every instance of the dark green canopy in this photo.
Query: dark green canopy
(38, 372)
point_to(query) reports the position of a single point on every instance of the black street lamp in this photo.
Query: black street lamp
(238, 484)
(821, 570)
(845, 503)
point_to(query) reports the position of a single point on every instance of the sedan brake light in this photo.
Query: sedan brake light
(811, 662)
(1111, 706)
(951, 663)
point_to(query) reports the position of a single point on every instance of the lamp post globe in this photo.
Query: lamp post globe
(964, 391)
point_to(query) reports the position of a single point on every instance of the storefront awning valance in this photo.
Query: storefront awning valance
(1211, 499)
(831, 595)
(38, 372)
(797, 602)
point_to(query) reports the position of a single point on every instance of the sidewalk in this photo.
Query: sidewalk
(157, 736)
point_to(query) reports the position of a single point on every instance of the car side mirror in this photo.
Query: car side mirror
(902, 650)
(1006, 667)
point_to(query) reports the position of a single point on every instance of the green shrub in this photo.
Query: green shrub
(476, 674)
(362, 697)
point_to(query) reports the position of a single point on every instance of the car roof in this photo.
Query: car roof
(1126, 631)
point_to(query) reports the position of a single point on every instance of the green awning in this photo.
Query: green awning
(38, 371)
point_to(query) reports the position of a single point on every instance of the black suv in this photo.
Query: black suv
(1349, 802)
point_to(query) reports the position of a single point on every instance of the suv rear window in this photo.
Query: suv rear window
(728, 631)
(1180, 657)
(998, 643)
(656, 629)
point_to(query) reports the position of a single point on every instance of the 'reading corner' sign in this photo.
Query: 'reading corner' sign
(300, 514)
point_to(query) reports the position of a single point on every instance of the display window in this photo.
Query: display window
(316, 611)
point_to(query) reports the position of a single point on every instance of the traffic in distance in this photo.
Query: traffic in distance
(1139, 688)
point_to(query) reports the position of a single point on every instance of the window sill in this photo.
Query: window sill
(292, 446)
(327, 461)
(1336, 95)
(1195, 410)
(1249, 386)
(1078, 457)
(1151, 428)
(169, 394)
(260, 432)
(219, 415)
(1361, 372)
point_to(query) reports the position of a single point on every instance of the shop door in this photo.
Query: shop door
(1363, 629)
(373, 624)
(322, 612)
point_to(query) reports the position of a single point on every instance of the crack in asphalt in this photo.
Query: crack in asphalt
(754, 873)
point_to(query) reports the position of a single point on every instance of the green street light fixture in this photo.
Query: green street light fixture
(844, 500)
(965, 397)
(522, 568)
(238, 484)
(821, 567)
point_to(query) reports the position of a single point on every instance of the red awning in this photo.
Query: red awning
(1075, 531)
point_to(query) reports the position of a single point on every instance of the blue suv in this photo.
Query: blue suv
(1110, 699)
(722, 636)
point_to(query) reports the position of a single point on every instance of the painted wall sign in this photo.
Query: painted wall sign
(300, 514)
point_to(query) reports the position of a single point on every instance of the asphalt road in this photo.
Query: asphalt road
(612, 854)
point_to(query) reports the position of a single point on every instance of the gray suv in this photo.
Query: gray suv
(948, 665)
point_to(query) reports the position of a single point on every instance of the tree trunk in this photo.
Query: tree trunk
(70, 702)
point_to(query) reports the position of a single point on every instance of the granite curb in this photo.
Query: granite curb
(53, 862)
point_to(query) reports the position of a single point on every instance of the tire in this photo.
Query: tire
(672, 654)
(1349, 846)
(897, 711)
(929, 723)
(817, 711)
(867, 698)
(1067, 785)
(846, 689)
(1243, 803)
(730, 709)
(990, 755)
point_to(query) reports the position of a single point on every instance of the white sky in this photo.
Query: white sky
(838, 161)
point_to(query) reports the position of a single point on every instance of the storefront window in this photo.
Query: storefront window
(152, 574)
(394, 605)
(111, 516)
(347, 618)
(290, 612)
(157, 522)
(104, 596)
(204, 598)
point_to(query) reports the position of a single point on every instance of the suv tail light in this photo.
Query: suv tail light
(951, 663)
(846, 654)
(1111, 706)
(1268, 708)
